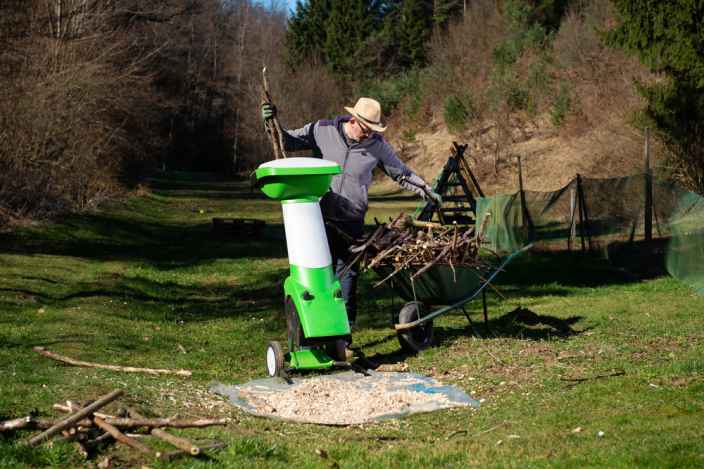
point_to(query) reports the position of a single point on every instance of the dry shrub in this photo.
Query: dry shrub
(602, 78)
(461, 57)
(65, 113)
(304, 95)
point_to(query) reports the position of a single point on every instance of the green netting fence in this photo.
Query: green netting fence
(592, 214)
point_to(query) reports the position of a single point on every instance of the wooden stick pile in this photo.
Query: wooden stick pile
(90, 430)
(404, 244)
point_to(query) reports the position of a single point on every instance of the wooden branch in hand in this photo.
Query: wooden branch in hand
(273, 127)
(74, 418)
(127, 369)
(181, 443)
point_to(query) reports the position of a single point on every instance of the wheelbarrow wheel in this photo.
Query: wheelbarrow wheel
(417, 338)
(337, 350)
(274, 359)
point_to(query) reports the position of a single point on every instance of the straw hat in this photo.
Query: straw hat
(368, 111)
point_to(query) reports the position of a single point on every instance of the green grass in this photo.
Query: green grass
(141, 281)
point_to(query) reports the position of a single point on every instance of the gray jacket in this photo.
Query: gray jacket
(347, 200)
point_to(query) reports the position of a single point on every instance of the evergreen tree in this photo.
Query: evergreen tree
(305, 37)
(350, 27)
(445, 10)
(413, 31)
(668, 37)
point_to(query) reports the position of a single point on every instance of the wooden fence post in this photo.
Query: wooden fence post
(648, 189)
(580, 206)
(573, 226)
(525, 214)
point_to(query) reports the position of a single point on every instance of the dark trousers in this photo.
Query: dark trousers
(341, 256)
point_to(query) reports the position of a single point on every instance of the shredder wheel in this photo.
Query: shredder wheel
(274, 359)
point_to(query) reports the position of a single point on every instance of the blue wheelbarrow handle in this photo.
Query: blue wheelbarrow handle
(463, 301)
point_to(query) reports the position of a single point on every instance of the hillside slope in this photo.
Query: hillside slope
(549, 158)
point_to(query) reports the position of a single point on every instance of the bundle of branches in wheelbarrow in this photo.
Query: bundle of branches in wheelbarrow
(406, 244)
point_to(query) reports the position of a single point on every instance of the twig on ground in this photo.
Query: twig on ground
(588, 378)
(128, 369)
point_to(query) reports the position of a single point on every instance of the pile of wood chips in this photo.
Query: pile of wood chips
(404, 244)
(329, 401)
(90, 430)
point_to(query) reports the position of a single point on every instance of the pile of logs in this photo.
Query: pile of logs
(90, 430)
(406, 244)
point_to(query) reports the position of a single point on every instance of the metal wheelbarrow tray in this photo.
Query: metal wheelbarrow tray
(439, 285)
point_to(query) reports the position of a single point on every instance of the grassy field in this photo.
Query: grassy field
(612, 376)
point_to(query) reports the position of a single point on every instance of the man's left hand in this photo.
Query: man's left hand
(435, 197)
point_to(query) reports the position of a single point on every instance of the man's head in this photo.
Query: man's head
(366, 118)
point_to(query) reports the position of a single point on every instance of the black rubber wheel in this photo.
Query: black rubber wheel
(419, 337)
(274, 359)
(337, 350)
(293, 326)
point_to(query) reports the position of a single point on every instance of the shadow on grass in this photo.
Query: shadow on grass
(521, 323)
(103, 237)
(167, 301)
(564, 268)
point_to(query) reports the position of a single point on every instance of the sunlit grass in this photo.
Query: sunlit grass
(145, 282)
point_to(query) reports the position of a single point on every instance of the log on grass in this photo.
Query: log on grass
(75, 408)
(175, 454)
(122, 438)
(127, 369)
(181, 443)
(16, 424)
(164, 422)
(71, 420)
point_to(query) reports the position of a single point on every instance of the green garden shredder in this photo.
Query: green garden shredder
(316, 317)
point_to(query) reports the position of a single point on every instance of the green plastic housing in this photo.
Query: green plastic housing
(285, 183)
(325, 314)
(310, 359)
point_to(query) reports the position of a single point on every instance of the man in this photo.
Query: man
(354, 142)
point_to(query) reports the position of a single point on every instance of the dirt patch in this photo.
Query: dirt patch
(549, 159)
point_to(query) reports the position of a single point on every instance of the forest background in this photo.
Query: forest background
(97, 94)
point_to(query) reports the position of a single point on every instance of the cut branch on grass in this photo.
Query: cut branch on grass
(122, 438)
(127, 369)
(74, 418)
(179, 442)
(74, 408)
(171, 455)
(16, 424)
(575, 381)
(165, 422)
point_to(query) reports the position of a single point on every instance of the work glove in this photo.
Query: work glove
(268, 111)
(436, 198)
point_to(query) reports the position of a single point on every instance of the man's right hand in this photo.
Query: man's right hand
(268, 111)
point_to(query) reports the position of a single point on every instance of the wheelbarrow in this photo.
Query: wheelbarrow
(439, 285)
